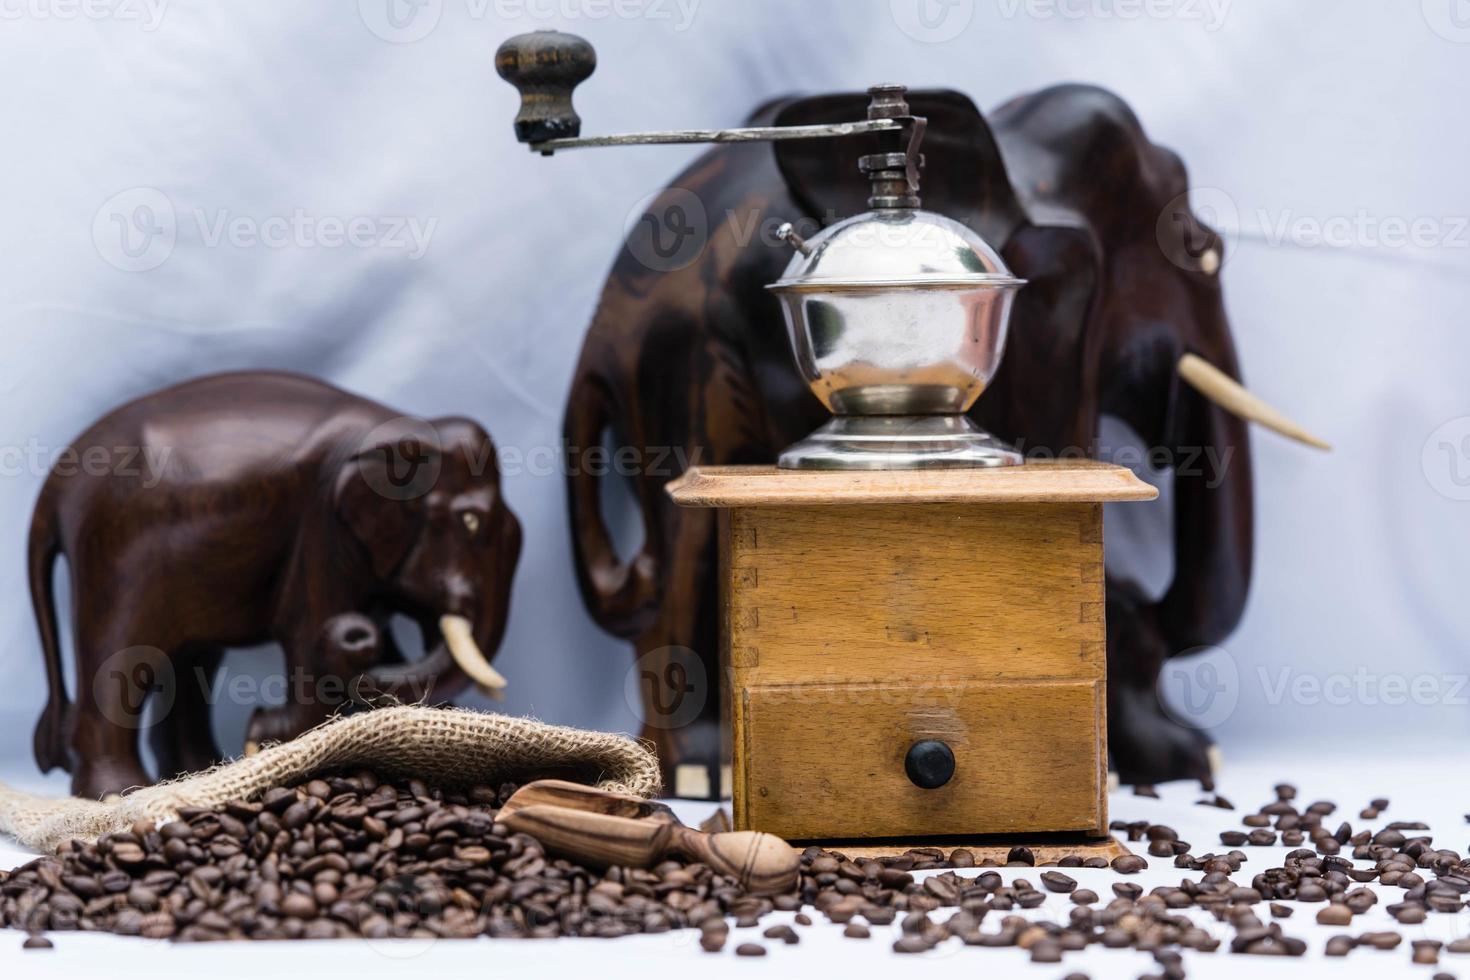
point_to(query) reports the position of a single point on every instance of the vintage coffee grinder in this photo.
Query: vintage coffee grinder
(914, 634)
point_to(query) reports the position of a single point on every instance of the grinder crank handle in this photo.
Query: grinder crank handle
(546, 66)
(762, 863)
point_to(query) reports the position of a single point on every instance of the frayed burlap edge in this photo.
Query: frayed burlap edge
(447, 746)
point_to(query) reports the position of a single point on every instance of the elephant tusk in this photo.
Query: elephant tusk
(460, 638)
(1230, 395)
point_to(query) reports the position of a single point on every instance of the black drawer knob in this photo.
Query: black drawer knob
(929, 764)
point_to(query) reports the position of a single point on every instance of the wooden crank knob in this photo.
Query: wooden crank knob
(545, 66)
(929, 764)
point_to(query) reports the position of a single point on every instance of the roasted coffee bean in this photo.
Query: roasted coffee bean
(1426, 951)
(784, 933)
(1128, 864)
(1055, 881)
(750, 949)
(36, 942)
(1046, 951)
(1335, 915)
(1161, 848)
(1146, 791)
(856, 930)
(1340, 945)
(1021, 855)
(1380, 940)
(1084, 896)
(1409, 915)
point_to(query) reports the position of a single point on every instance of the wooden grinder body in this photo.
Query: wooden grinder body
(864, 614)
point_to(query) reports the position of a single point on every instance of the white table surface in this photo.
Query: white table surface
(1422, 786)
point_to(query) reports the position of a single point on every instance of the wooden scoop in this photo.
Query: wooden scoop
(575, 796)
(606, 830)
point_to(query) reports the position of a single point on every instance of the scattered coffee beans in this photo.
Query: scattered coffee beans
(354, 855)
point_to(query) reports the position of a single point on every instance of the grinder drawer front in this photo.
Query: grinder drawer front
(879, 760)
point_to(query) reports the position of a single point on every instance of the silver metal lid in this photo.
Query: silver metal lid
(890, 248)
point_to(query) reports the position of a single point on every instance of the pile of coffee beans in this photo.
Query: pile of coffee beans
(357, 856)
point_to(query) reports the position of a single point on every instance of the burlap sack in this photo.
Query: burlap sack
(445, 746)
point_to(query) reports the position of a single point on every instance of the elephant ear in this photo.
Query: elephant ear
(964, 177)
(379, 496)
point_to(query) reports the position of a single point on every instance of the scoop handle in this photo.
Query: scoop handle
(545, 66)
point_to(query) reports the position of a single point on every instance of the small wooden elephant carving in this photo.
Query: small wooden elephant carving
(238, 509)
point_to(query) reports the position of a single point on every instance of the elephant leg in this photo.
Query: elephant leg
(114, 683)
(183, 739)
(320, 679)
(678, 667)
(1147, 744)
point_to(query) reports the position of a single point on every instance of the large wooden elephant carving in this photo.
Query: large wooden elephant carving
(687, 352)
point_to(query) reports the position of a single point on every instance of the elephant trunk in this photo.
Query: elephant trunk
(457, 655)
(623, 597)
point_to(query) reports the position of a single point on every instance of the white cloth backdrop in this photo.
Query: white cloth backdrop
(1322, 134)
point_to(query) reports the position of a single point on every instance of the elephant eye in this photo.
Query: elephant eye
(471, 521)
